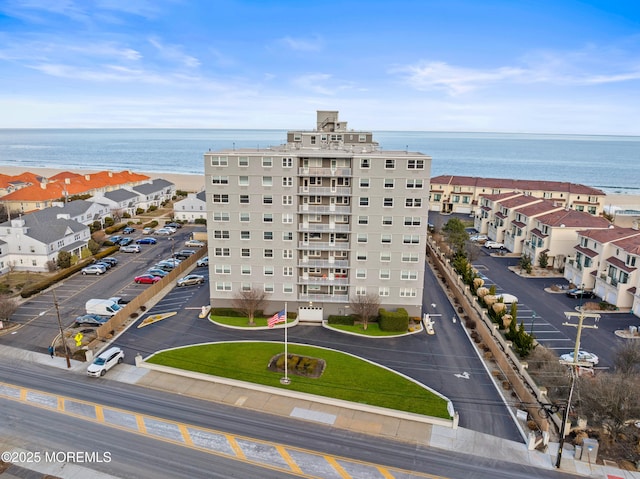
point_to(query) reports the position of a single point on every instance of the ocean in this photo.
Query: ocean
(611, 163)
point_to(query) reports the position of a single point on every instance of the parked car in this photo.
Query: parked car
(147, 279)
(580, 293)
(157, 272)
(164, 232)
(170, 228)
(147, 240)
(111, 260)
(165, 265)
(204, 261)
(183, 254)
(478, 238)
(148, 231)
(105, 361)
(174, 225)
(132, 248)
(191, 279)
(125, 241)
(91, 320)
(192, 243)
(493, 245)
(102, 263)
(115, 239)
(128, 230)
(583, 357)
(96, 269)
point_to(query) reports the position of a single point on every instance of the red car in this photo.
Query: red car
(147, 279)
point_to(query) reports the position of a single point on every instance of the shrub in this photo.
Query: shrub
(200, 221)
(335, 319)
(393, 321)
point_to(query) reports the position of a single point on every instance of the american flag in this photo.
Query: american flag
(279, 317)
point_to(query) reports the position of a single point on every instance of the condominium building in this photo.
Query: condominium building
(318, 220)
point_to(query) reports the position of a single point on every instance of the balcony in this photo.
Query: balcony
(323, 227)
(324, 280)
(324, 245)
(325, 191)
(319, 171)
(323, 263)
(324, 209)
(324, 298)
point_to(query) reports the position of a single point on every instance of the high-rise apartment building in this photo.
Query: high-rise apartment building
(318, 220)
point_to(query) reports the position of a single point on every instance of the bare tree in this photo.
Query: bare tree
(627, 358)
(248, 302)
(8, 306)
(365, 307)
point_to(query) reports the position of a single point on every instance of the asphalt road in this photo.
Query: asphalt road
(142, 456)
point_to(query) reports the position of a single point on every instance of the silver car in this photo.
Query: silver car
(191, 279)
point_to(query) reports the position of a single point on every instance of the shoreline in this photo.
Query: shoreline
(194, 183)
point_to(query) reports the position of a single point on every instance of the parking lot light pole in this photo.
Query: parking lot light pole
(64, 343)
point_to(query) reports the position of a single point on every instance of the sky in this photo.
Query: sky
(525, 66)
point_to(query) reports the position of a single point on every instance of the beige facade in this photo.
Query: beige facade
(318, 220)
(461, 194)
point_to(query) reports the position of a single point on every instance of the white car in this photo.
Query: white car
(194, 243)
(583, 357)
(203, 261)
(478, 238)
(164, 232)
(94, 269)
(493, 245)
(105, 361)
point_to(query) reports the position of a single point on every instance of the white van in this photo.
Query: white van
(105, 361)
(102, 307)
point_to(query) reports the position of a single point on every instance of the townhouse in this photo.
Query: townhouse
(192, 208)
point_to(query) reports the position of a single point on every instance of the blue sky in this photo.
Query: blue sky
(435, 65)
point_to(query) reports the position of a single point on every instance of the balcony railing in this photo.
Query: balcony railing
(323, 263)
(329, 280)
(322, 227)
(318, 171)
(324, 246)
(324, 209)
(324, 298)
(325, 190)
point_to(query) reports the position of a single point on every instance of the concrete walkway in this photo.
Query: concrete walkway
(401, 428)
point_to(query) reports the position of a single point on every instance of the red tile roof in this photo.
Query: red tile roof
(611, 234)
(519, 185)
(573, 219)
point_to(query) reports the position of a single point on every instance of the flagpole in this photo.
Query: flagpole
(285, 379)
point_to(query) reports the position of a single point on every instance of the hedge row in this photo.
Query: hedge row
(335, 319)
(393, 321)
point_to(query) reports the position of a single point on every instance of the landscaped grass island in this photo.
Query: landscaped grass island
(345, 377)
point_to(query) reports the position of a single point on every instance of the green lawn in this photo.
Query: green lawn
(373, 329)
(345, 377)
(242, 322)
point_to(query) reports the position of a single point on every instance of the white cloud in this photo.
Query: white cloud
(174, 53)
(303, 44)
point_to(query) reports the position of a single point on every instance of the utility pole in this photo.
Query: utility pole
(574, 368)
(64, 343)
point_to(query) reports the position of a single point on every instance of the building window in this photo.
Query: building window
(387, 221)
(385, 257)
(221, 216)
(287, 181)
(243, 161)
(287, 162)
(414, 183)
(415, 165)
(408, 275)
(287, 218)
(387, 202)
(223, 286)
(383, 291)
(361, 273)
(409, 257)
(361, 290)
(267, 217)
(220, 198)
(287, 199)
(287, 253)
(287, 288)
(364, 183)
(267, 162)
(412, 221)
(413, 202)
(364, 201)
(287, 271)
(245, 217)
(287, 236)
(361, 255)
(269, 288)
(245, 269)
(389, 164)
(245, 286)
(385, 274)
(268, 235)
(408, 292)
(219, 161)
(411, 239)
(246, 253)
(389, 183)
(268, 270)
(385, 239)
(267, 199)
(245, 235)
(268, 253)
(221, 234)
(244, 199)
(243, 180)
(267, 181)
(363, 220)
(362, 238)
(365, 163)
(219, 180)
(222, 252)
(222, 269)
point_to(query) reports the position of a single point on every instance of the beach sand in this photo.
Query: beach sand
(195, 183)
(190, 183)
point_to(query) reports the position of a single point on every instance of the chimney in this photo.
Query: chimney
(87, 177)
(67, 181)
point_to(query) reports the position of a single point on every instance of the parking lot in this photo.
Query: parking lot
(66, 300)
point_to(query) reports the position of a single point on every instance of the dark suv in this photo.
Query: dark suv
(183, 254)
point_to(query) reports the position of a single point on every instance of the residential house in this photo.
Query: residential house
(36, 238)
(9, 184)
(154, 193)
(4, 255)
(193, 207)
(119, 201)
(555, 234)
(83, 211)
(461, 194)
(488, 207)
(618, 280)
(523, 220)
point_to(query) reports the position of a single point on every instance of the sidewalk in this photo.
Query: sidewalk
(460, 440)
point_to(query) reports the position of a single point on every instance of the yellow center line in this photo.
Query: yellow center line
(289, 460)
(23, 394)
(234, 445)
(99, 413)
(60, 403)
(141, 425)
(337, 467)
(185, 435)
